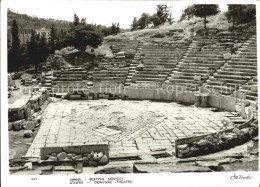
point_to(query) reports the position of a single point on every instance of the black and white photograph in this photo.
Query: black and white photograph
(115, 92)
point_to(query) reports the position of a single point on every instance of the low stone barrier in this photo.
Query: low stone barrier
(214, 142)
(89, 154)
(21, 108)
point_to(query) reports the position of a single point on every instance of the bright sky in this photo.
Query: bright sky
(100, 12)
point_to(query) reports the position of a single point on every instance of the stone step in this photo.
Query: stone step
(216, 75)
(222, 72)
(252, 98)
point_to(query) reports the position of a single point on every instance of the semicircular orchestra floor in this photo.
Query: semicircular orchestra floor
(128, 125)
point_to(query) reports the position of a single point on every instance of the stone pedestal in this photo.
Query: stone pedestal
(204, 99)
(201, 99)
(198, 100)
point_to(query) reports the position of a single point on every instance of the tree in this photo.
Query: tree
(187, 13)
(155, 20)
(204, 11)
(170, 19)
(14, 52)
(81, 34)
(240, 13)
(53, 39)
(134, 24)
(115, 28)
(42, 50)
(75, 21)
(32, 50)
(163, 12)
(143, 21)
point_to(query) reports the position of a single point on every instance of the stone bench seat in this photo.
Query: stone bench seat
(70, 71)
(250, 97)
(68, 79)
(119, 79)
(222, 90)
(152, 72)
(118, 69)
(155, 59)
(217, 75)
(110, 72)
(150, 75)
(159, 66)
(221, 72)
(200, 57)
(164, 56)
(248, 92)
(156, 69)
(160, 60)
(253, 50)
(215, 82)
(198, 71)
(246, 87)
(191, 77)
(176, 80)
(109, 75)
(247, 53)
(230, 80)
(203, 62)
(148, 61)
(148, 79)
(72, 75)
(192, 74)
(164, 51)
(210, 66)
(242, 67)
(205, 53)
(243, 60)
(194, 67)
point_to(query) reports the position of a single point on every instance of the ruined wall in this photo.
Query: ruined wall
(222, 102)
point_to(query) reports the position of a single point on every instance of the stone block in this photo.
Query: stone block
(184, 151)
(10, 126)
(92, 163)
(27, 134)
(44, 151)
(72, 149)
(39, 119)
(87, 149)
(61, 156)
(254, 88)
(29, 125)
(28, 165)
(104, 160)
(79, 167)
(227, 56)
(17, 125)
(182, 147)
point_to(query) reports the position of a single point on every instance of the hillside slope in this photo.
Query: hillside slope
(218, 21)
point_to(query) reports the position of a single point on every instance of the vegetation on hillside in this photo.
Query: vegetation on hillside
(237, 13)
(161, 16)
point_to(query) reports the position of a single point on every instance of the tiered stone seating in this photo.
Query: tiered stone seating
(115, 75)
(47, 81)
(250, 89)
(127, 46)
(159, 61)
(237, 71)
(134, 63)
(203, 58)
(70, 74)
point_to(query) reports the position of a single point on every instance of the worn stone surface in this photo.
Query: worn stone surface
(138, 125)
(168, 168)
